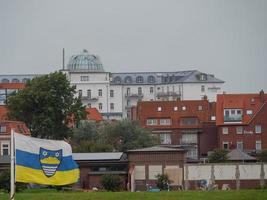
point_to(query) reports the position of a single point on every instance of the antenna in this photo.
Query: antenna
(63, 59)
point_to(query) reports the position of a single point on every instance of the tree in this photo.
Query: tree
(47, 105)
(218, 156)
(163, 181)
(125, 135)
(263, 156)
(111, 182)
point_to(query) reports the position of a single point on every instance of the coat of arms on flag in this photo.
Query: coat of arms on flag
(47, 162)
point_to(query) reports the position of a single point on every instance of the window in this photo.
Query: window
(117, 79)
(175, 108)
(188, 121)
(258, 129)
(139, 79)
(5, 80)
(159, 109)
(151, 90)
(89, 94)
(200, 107)
(225, 130)
(151, 122)
(89, 105)
(128, 103)
(226, 145)
(249, 112)
(202, 88)
(5, 149)
(239, 130)
(139, 91)
(100, 93)
(203, 77)
(192, 153)
(111, 106)
(165, 138)
(128, 91)
(80, 93)
(189, 138)
(213, 118)
(128, 79)
(232, 115)
(2, 129)
(258, 145)
(151, 79)
(165, 121)
(84, 78)
(100, 106)
(111, 93)
(239, 145)
(183, 108)
(15, 80)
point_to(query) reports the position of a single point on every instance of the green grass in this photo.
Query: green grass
(185, 195)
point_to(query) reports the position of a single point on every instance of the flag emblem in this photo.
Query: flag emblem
(50, 160)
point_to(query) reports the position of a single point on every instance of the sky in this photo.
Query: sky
(227, 38)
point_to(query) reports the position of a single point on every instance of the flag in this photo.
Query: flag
(46, 162)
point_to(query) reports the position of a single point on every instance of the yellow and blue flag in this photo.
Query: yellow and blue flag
(46, 162)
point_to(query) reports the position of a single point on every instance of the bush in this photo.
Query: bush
(163, 181)
(263, 156)
(111, 182)
(5, 182)
(218, 156)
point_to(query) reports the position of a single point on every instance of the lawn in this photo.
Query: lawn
(185, 195)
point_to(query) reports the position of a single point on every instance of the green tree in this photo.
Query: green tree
(218, 156)
(5, 182)
(263, 156)
(47, 105)
(163, 181)
(111, 182)
(125, 135)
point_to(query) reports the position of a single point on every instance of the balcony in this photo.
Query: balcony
(232, 118)
(89, 98)
(168, 94)
(134, 95)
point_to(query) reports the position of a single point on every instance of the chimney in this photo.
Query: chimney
(205, 97)
(262, 96)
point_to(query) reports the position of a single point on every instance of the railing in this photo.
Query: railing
(89, 98)
(134, 95)
(168, 94)
(233, 118)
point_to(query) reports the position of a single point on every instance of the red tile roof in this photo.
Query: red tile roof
(244, 102)
(93, 114)
(19, 127)
(12, 85)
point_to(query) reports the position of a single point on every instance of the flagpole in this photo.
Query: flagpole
(12, 170)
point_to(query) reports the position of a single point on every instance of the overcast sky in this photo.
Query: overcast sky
(227, 38)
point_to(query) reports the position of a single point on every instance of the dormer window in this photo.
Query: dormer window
(232, 115)
(202, 77)
(151, 79)
(117, 79)
(128, 79)
(139, 79)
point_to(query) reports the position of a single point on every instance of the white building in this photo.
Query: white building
(113, 94)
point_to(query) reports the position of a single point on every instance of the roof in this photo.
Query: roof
(238, 155)
(190, 76)
(156, 149)
(98, 156)
(93, 114)
(17, 126)
(253, 102)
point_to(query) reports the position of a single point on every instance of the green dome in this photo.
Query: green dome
(85, 62)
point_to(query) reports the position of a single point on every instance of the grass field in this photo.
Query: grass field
(186, 195)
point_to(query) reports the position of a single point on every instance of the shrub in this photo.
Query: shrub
(218, 156)
(5, 182)
(163, 181)
(111, 182)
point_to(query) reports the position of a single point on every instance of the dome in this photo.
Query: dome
(85, 62)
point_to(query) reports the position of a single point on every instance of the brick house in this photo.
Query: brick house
(5, 133)
(242, 121)
(186, 123)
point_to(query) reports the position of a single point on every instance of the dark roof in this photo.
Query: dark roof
(156, 149)
(238, 155)
(98, 156)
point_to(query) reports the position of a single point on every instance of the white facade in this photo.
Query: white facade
(113, 94)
